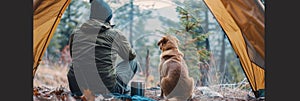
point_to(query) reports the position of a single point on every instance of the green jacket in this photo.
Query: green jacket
(97, 45)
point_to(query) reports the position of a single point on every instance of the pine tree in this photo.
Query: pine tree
(72, 18)
(190, 33)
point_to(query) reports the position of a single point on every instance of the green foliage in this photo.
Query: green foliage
(72, 17)
(168, 23)
(140, 36)
(122, 19)
(204, 54)
(190, 33)
(199, 13)
(235, 72)
(123, 14)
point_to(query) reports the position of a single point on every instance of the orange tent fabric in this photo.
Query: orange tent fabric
(47, 15)
(243, 23)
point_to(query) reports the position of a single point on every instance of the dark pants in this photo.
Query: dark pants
(124, 70)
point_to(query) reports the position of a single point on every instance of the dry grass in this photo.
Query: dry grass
(51, 76)
(52, 80)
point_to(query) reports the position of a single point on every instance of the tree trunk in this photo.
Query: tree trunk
(222, 61)
(131, 23)
(207, 30)
(147, 65)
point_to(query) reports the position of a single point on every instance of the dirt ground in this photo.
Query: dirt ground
(62, 94)
(50, 84)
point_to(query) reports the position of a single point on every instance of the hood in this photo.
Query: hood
(100, 10)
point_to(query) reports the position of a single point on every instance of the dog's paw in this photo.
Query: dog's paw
(192, 97)
(160, 98)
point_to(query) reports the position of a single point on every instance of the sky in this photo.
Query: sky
(164, 8)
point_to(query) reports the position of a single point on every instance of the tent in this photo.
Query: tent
(46, 17)
(243, 23)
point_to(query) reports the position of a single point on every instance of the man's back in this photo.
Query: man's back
(96, 45)
(94, 50)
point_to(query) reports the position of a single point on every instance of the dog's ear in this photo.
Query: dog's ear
(162, 41)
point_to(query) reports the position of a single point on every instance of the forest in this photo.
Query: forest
(211, 60)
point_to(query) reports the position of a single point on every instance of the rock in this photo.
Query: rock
(206, 91)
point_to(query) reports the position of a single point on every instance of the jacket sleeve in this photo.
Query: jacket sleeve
(123, 47)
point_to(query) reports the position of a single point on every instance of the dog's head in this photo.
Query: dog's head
(168, 42)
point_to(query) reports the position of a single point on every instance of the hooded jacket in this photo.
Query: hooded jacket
(94, 50)
(100, 10)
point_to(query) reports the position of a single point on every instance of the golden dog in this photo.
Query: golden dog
(174, 77)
